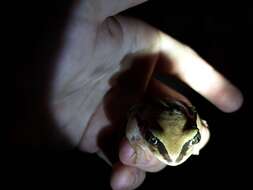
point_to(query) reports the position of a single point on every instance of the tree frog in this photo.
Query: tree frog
(172, 130)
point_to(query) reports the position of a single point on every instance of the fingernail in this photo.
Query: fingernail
(231, 100)
(238, 100)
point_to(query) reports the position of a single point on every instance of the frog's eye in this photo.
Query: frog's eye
(153, 141)
(196, 139)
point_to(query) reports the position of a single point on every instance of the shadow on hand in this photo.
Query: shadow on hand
(129, 87)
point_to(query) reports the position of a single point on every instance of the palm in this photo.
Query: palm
(94, 54)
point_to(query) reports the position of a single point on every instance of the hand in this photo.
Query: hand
(105, 65)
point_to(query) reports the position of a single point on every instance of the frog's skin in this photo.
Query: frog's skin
(171, 130)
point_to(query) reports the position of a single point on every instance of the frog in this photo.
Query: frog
(171, 129)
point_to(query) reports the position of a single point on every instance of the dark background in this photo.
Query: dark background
(222, 35)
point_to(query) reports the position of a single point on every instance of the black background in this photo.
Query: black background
(220, 34)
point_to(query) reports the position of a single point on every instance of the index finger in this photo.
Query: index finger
(198, 74)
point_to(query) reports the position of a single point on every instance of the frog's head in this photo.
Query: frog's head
(172, 130)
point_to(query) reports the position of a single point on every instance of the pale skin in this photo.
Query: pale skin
(95, 38)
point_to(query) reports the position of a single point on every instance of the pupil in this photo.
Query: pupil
(154, 140)
(151, 138)
(196, 139)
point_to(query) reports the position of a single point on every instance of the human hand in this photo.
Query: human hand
(96, 47)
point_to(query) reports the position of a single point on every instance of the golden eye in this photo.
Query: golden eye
(153, 141)
(196, 139)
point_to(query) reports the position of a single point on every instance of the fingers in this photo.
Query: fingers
(183, 62)
(140, 158)
(198, 74)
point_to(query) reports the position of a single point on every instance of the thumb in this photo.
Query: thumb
(101, 9)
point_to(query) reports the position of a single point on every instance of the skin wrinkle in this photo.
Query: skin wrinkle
(115, 28)
(74, 44)
(127, 44)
